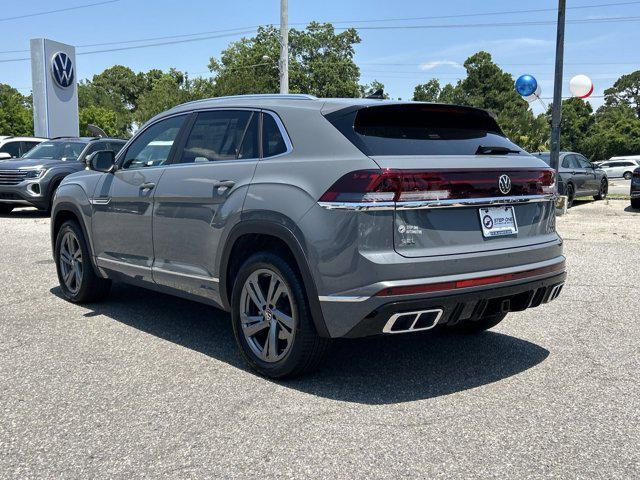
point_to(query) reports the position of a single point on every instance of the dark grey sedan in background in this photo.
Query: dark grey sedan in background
(579, 177)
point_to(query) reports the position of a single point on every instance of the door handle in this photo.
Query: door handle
(148, 186)
(224, 184)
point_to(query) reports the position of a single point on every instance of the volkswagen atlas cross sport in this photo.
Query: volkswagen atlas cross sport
(310, 219)
(32, 179)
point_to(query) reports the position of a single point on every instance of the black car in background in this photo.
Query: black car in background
(578, 177)
(635, 189)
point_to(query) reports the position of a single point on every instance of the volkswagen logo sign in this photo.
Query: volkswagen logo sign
(62, 69)
(504, 184)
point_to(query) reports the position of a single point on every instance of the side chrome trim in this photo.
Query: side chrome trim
(102, 260)
(337, 298)
(186, 275)
(100, 201)
(428, 204)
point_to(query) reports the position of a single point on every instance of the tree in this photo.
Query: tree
(16, 117)
(373, 87)
(615, 131)
(104, 118)
(487, 86)
(577, 123)
(427, 92)
(321, 63)
(626, 90)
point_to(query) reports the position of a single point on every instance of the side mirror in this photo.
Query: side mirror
(102, 161)
(5, 156)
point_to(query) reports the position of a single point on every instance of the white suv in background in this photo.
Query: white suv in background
(620, 166)
(13, 147)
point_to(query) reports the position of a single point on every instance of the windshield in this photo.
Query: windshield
(56, 151)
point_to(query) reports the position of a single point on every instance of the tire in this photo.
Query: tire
(5, 209)
(471, 327)
(570, 195)
(635, 203)
(604, 190)
(84, 286)
(298, 348)
(627, 175)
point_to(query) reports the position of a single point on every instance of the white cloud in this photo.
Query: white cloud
(439, 63)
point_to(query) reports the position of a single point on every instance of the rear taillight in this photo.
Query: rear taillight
(412, 185)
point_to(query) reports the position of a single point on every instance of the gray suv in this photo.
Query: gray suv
(32, 179)
(310, 219)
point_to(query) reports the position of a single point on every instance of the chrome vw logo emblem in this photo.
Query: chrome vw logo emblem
(504, 184)
(62, 69)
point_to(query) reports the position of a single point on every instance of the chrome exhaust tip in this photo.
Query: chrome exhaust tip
(555, 292)
(413, 321)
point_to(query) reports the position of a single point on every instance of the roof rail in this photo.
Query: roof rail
(289, 96)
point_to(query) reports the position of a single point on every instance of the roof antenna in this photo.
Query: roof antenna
(378, 94)
(96, 131)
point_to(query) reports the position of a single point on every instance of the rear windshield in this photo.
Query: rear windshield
(420, 129)
(544, 156)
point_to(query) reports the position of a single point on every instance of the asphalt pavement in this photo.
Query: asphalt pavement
(150, 386)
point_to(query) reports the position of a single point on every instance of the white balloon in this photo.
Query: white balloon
(534, 96)
(581, 86)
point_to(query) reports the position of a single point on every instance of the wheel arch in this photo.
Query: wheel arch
(65, 211)
(259, 235)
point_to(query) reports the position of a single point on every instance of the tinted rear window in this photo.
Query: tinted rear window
(419, 130)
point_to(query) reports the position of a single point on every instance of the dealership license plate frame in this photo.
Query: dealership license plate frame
(498, 221)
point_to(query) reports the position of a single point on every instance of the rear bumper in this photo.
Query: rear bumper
(465, 307)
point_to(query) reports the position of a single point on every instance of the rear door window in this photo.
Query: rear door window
(218, 135)
(421, 130)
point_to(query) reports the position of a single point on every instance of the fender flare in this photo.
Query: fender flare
(73, 208)
(283, 233)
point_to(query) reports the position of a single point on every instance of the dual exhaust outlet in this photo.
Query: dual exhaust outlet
(413, 321)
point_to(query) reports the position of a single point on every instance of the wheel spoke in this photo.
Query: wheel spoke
(272, 342)
(275, 295)
(255, 292)
(284, 319)
(253, 324)
(68, 277)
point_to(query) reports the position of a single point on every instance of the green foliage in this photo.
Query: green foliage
(427, 92)
(626, 91)
(102, 117)
(16, 117)
(373, 87)
(320, 63)
(615, 131)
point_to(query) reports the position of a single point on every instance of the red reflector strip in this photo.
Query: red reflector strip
(472, 282)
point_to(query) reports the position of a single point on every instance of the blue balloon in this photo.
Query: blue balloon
(526, 85)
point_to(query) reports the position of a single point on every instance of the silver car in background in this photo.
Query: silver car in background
(311, 219)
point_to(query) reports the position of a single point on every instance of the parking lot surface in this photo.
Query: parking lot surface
(151, 386)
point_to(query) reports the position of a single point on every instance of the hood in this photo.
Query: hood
(28, 163)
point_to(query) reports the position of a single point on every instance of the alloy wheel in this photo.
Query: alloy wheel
(71, 266)
(267, 315)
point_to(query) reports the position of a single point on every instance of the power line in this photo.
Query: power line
(67, 9)
(496, 25)
(436, 17)
(483, 14)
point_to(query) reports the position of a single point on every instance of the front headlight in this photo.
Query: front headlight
(35, 173)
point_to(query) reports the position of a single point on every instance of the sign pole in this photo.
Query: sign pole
(284, 46)
(556, 113)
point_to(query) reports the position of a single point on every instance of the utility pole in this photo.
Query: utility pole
(284, 46)
(556, 113)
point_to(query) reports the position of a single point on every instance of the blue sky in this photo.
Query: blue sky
(398, 58)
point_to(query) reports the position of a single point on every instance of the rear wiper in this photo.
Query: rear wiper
(488, 150)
